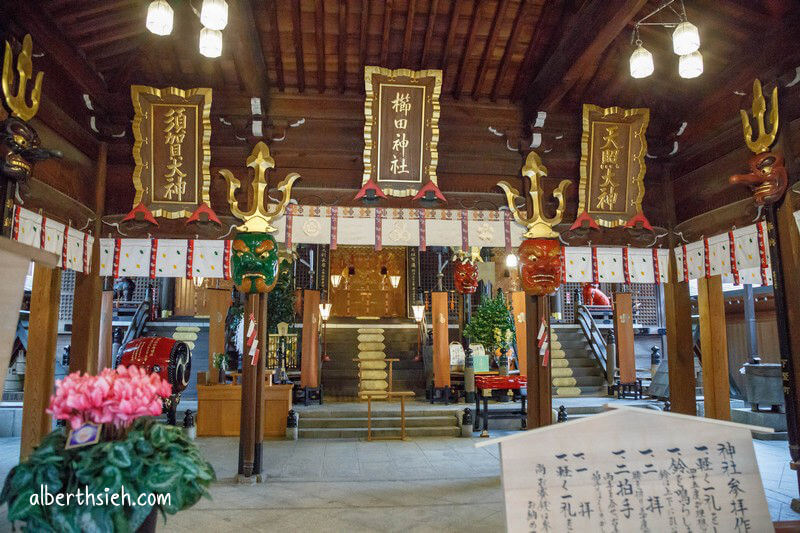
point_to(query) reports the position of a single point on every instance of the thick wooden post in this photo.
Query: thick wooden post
(40, 363)
(680, 347)
(219, 301)
(247, 425)
(263, 346)
(441, 349)
(540, 397)
(309, 362)
(623, 332)
(89, 287)
(714, 348)
(521, 326)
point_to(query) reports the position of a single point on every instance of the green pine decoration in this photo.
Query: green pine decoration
(281, 299)
(492, 313)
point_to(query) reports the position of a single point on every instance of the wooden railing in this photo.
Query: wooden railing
(597, 341)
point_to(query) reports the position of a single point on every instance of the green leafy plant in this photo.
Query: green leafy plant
(281, 299)
(153, 458)
(220, 361)
(493, 313)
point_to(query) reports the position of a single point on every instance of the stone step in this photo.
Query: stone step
(350, 433)
(377, 421)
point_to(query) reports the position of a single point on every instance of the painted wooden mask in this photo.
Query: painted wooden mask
(767, 177)
(254, 262)
(541, 266)
(20, 148)
(465, 275)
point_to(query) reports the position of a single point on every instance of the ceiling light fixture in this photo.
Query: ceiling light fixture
(214, 14)
(685, 43)
(210, 42)
(159, 17)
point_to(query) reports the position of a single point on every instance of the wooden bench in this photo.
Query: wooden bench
(388, 395)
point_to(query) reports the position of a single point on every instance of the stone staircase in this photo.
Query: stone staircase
(352, 422)
(574, 370)
(340, 374)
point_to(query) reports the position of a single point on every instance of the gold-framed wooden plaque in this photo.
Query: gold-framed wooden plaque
(401, 131)
(613, 148)
(171, 149)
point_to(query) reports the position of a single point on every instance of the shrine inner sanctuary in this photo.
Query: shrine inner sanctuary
(400, 265)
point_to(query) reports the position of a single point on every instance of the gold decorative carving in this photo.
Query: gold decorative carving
(764, 140)
(426, 144)
(259, 218)
(149, 157)
(613, 149)
(539, 226)
(16, 102)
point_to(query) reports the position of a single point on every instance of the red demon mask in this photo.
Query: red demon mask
(767, 177)
(541, 266)
(465, 275)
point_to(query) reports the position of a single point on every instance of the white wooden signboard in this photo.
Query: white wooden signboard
(634, 470)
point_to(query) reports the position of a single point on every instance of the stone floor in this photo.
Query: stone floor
(426, 484)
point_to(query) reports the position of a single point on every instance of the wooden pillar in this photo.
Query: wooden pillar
(441, 349)
(714, 348)
(680, 346)
(219, 301)
(247, 424)
(540, 398)
(105, 355)
(521, 326)
(89, 287)
(623, 332)
(259, 369)
(309, 354)
(40, 362)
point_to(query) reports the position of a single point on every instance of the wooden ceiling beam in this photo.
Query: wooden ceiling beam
(412, 7)
(319, 32)
(491, 40)
(451, 34)
(387, 29)
(582, 43)
(342, 44)
(297, 30)
(276, 44)
(512, 40)
(48, 38)
(364, 36)
(106, 23)
(549, 14)
(461, 74)
(123, 33)
(426, 45)
(249, 56)
(73, 15)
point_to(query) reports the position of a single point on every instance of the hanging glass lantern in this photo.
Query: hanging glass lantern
(685, 38)
(210, 42)
(159, 17)
(690, 65)
(511, 261)
(214, 14)
(641, 62)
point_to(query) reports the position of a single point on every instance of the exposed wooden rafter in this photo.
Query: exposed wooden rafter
(250, 51)
(387, 29)
(412, 6)
(276, 44)
(582, 43)
(461, 74)
(426, 45)
(297, 30)
(319, 32)
(491, 40)
(451, 34)
(512, 40)
(342, 45)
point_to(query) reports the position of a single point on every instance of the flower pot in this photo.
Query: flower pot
(149, 524)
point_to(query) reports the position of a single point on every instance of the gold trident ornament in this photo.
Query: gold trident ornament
(17, 104)
(764, 139)
(538, 225)
(260, 216)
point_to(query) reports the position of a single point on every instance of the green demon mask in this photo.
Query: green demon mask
(254, 262)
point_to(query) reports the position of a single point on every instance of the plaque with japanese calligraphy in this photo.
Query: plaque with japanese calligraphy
(633, 470)
(401, 132)
(613, 148)
(172, 134)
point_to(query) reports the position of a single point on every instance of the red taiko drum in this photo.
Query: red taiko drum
(170, 359)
